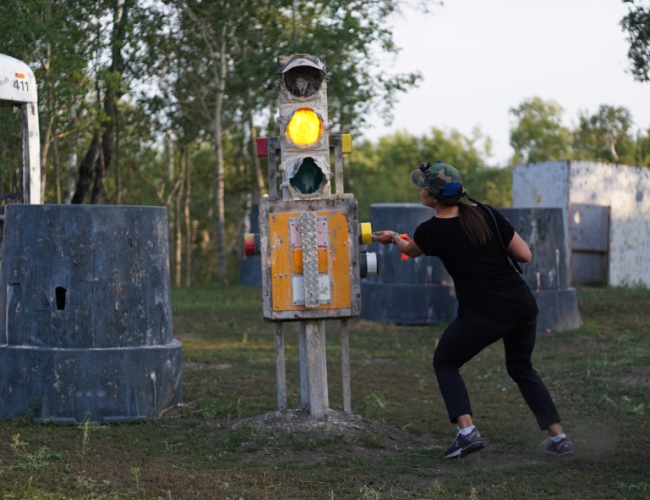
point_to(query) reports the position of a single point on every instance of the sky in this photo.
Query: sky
(479, 58)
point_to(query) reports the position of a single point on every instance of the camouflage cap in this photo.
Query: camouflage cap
(434, 176)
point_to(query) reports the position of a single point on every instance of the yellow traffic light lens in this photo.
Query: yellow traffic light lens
(305, 127)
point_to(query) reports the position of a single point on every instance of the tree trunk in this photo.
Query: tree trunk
(188, 221)
(118, 171)
(86, 170)
(179, 235)
(44, 154)
(112, 96)
(259, 176)
(98, 195)
(69, 186)
(217, 145)
(57, 171)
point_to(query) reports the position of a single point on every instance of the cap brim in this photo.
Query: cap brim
(417, 179)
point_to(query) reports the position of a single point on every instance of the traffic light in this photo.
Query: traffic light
(309, 237)
(304, 138)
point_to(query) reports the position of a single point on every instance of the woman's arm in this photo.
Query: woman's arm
(519, 249)
(406, 247)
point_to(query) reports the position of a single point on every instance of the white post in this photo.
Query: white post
(31, 155)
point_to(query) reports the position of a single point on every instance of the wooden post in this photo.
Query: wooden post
(304, 373)
(317, 368)
(280, 373)
(345, 366)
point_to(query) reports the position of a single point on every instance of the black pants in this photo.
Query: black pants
(465, 338)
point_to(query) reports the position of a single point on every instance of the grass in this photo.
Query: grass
(216, 446)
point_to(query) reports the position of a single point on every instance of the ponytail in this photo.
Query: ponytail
(474, 226)
(472, 223)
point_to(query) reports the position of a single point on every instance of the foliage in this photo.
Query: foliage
(637, 25)
(118, 77)
(128, 94)
(215, 67)
(57, 38)
(380, 173)
(538, 134)
(604, 136)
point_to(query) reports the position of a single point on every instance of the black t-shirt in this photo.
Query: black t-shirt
(486, 283)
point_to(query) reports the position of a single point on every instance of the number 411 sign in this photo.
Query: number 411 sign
(17, 82)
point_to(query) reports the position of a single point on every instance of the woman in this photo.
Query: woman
(493, 301)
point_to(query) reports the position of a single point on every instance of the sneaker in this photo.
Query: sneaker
(562, 448)
(464, 445)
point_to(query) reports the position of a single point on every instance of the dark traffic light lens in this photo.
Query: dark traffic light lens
(303, 81)
(309, 177)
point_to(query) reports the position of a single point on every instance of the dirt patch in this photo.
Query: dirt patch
(639, 375)
(357, 434)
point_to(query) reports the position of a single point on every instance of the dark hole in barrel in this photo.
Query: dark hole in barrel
(60, 298)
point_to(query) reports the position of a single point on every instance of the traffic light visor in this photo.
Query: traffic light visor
(303, 76)
(305, 127)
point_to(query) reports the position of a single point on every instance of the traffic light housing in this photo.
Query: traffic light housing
(304, 138)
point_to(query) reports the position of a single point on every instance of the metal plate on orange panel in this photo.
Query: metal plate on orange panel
(336, 258)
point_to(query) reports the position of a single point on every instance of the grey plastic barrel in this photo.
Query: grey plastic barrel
(409, 292)
(547, 274)
(250, 267)
(87, 329)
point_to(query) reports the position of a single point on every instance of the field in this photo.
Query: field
(227, 442)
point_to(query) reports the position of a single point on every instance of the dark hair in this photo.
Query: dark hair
(472, 223)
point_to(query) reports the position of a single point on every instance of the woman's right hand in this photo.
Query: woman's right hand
(383, 237)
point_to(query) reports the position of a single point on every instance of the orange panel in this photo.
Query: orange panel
(335, 259)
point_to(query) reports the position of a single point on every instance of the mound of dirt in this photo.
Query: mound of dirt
(353, 428)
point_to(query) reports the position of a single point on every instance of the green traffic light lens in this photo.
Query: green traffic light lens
(309, 177)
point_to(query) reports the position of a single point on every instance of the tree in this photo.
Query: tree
(637, 25)
(349, 34)
(111, 85)
(605, 136)
(379, 173)
(220, 71)
(642, 149)
(115, 75)
(538, 134)
(52, 36)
